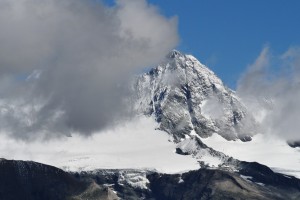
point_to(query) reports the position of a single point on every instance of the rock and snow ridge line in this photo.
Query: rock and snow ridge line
(184, 95)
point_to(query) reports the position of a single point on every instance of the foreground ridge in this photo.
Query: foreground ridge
(31, 180)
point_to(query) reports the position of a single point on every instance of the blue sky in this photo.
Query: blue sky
(229, 35)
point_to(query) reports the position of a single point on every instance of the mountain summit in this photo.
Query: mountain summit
(186, 97)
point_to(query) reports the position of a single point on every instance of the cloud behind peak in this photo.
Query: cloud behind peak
(75, 57)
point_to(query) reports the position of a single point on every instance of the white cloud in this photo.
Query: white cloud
(273, 94)
(135, 144)
(84, 52)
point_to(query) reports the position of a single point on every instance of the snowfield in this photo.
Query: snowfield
(134, 145)
(265, 149)
(137, 145)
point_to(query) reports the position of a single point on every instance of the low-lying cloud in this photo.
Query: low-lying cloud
(64, 64)
(271, 90)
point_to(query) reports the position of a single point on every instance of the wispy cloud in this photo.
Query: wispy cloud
(271, 89)
(64, 63)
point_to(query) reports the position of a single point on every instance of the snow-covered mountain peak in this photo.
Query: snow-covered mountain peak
(184, 95)
(178, 64)
(174, 54)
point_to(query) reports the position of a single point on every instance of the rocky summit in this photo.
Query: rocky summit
(185, 97)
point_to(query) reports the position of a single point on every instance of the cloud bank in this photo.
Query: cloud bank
(271, 89)
(64, 64)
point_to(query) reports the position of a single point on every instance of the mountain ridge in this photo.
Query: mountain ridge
(184, 95)
(252, 181)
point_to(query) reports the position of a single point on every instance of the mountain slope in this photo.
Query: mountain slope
(251, 181)
(35, 181)
(184, 95)
(30, 181)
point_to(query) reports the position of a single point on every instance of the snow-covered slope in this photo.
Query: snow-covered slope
(135, 144)
(265, 149)
(206, 156)
(184, 95)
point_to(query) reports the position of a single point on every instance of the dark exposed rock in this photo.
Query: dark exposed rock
(32, 181)
(124, 182)
(35, 181)
(215, 184)
(180, 152)
(293, 144)
(263, 174)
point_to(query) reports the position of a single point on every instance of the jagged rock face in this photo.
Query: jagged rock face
(184, 95)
